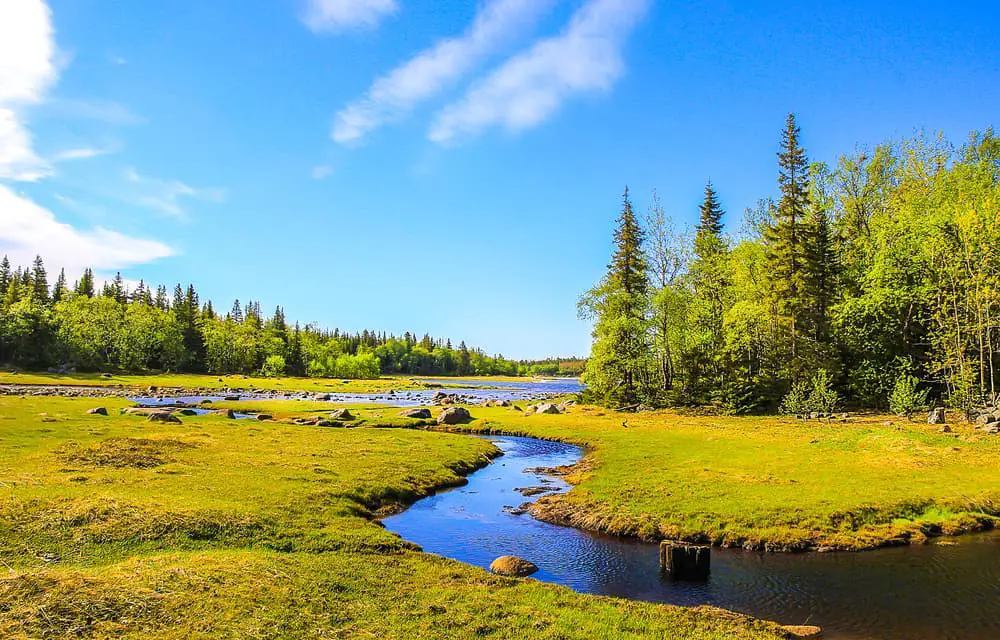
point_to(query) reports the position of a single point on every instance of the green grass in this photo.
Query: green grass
(118, 527)
(210, 382)
(771, 483)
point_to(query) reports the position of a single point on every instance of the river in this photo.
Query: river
(924, 592)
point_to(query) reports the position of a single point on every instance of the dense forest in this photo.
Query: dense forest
(97, 328)
(874, 282)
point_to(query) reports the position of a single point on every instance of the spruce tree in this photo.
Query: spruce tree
(786, 241)
(710, 280)
(39, 281)
(5, 275)
(60, 290)
(85, 286)
(618, 370)
(821, 268)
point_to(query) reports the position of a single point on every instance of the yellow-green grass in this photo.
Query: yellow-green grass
(214, 382)
(774, 483)
(119, 527)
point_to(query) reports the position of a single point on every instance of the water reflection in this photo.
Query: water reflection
(920, 592)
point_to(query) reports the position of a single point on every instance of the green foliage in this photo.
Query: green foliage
(797, 401)
(907, 397)
(822, 396)
(274, 367)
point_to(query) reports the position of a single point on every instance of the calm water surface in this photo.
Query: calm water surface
(917, 593)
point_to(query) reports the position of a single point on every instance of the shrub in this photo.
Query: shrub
(274, 366)
(906, 399)
(797, 400)
(823, 397)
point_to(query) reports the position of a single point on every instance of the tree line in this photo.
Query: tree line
(110, 327)
(872, 281)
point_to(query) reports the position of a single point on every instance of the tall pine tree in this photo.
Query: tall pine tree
(618, 370)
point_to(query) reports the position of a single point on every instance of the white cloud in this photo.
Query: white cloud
(531, 86)
(321, 172)
(101, 110)
(166, 195)
(423, 76)
(338, 15)
(27, 230)
(27, 70)
(82, 153)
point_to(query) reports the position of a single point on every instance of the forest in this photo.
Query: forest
(872, 282)
(110, 327)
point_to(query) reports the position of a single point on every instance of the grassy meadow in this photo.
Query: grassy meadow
(119, 527)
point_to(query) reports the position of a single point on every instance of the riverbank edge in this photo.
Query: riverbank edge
(560, 510)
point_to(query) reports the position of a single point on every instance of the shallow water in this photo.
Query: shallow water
(527, 390)
(919, 593)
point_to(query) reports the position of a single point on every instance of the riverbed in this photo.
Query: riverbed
(922, 592)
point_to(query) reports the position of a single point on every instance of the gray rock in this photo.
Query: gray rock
(264, 416)
(322, 397)
(341, 414)
(547, 407)
(454, 415)
(97, 411)
(162, 416)
(421, 413)
(512, 566)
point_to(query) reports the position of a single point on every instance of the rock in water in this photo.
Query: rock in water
(512, 566)
(936, 416)
(454, 415)
(421, 414)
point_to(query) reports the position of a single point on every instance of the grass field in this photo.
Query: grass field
(203, 381)
(118, 527)
(772, 483)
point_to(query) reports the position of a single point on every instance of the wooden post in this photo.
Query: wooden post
(685, 561)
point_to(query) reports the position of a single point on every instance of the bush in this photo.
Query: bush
(906, 399)
(823, 397)
(274, 366)
(797, 400)
(816, 394)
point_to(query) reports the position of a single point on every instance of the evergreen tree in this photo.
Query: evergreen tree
(118, 289)
(821, 267)
(39, 281)
(786, 243)
(5, 275)
(618, 370)
(85, 286)
(161, 302)
(60, 290)
(296, 359)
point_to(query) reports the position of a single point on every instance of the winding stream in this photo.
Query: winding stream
(928, 592)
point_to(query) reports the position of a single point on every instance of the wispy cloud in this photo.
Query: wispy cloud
(339, 15)
(27, 230)
(392, 96)
(106, 111)
(81, 153)
(531, 86)
(27, 70)
(321, 172)
(166, 196)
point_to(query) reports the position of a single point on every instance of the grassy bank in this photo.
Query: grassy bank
(118, 527)
(236, 382)
(771, 483)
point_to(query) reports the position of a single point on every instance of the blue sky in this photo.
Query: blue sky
(449, 167)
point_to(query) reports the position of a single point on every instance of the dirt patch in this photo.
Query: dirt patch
(124, 453)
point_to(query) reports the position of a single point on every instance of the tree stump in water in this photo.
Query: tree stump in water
(685, 561)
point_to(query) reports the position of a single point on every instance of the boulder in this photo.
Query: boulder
(186, 412)
(547, 407)
(97, 411)
(228, 413)
(936, 416)
(264, 416)
(341, 414)
(231, 398)
(162, 416)
(993, 427)
(454, 415)
(322, 397)
(420, 413)
(512, 566)
(944, 429)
